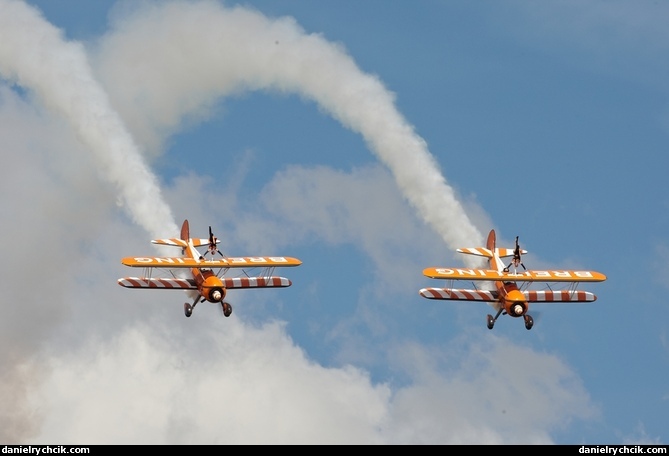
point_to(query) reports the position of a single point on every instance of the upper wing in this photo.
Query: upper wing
(189, 284)
(183, 262)
(526, 276)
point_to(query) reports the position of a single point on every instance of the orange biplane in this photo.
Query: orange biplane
(204, 283)
(510, 294)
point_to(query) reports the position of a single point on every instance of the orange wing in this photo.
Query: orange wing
(526, 276)
(182, 262)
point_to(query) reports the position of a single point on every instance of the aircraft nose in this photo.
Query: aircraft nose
(216, 295)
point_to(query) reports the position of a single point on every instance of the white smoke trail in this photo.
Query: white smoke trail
(34, 54)
(201, 51)
(57, 71)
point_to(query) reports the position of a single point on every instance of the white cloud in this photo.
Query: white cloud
(251, 385)
(91, 362)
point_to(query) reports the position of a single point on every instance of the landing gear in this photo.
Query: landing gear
(227, 309)
(492, 320)
(188, 308)
(529, 321)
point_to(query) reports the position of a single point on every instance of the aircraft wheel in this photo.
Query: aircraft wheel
(188, 309)
(529, 322)
(491, 322)
(227, 309)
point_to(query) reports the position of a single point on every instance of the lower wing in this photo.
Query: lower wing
(559, 296)
(543, 296)
(256, 282)
(453, 294)
(160, 284)
(189, 284)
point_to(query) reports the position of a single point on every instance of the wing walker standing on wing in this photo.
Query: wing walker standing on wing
(516, 258)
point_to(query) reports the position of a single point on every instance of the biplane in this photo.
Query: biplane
(207, 281)
(508, 290)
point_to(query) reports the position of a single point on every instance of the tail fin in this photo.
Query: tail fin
(495, 259)
(490, 244)
(492, 239)
(185, 231)
(185, 234)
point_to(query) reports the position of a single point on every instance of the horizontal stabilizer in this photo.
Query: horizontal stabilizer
(182, 262)
(482, 251)
(453, 294)
(181, 243)
(503, 253)
(478, 251)
(526, 276)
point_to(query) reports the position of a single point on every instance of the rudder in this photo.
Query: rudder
(490, 244)
(185, 231)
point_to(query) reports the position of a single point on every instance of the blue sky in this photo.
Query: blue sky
(370, 140)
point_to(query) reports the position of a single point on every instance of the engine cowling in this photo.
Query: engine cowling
(212, 288)
(515, 304)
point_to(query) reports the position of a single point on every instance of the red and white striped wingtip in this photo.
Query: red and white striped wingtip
(453, 294)
(255, 282)
(145, 282)
(559, 296)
